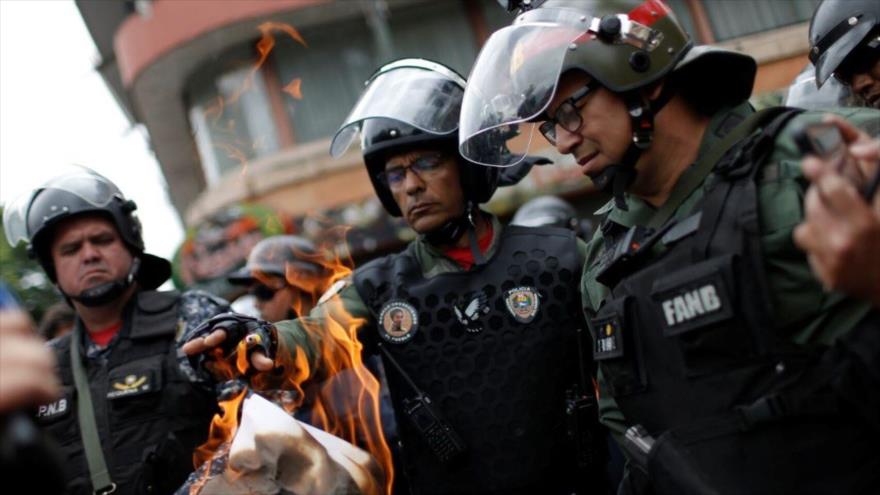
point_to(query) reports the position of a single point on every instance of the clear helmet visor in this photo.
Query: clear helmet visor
(86, 184)
(804, 93)
(512, 83)
(418, 93)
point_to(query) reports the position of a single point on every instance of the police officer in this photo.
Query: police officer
(131, 411)
(845, 43)
(723, 365)
(472, 320)
(285, 275)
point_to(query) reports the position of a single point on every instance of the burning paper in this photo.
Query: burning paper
(274, 453)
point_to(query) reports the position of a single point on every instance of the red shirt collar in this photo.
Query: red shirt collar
(103, 336)
(463, 255)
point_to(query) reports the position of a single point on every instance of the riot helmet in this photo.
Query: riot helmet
(625, 46)
(545, 211)
(292, 258)
(33, 218)
(842, 33)
(409, 104)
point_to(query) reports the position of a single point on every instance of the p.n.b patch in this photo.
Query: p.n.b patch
(47, 413)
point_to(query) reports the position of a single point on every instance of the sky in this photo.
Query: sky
(55, 110)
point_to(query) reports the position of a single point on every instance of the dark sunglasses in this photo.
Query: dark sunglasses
(568, 115)
(263, 292)
(423, 167)
(860, 60)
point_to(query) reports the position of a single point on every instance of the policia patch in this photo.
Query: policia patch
(522, 302)
(398, 322)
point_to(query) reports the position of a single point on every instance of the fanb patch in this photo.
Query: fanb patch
(134, 383)
(398, 322)
(522, 302)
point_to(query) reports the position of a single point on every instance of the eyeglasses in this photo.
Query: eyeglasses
(568, 115)
(424, 167)
(262, 292)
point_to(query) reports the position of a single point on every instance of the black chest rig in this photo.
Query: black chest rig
(495, 349)
(149, 417)
(688, 350)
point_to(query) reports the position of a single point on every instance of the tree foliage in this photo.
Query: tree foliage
(26, 277)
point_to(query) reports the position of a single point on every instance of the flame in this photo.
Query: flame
(228, 142)
(293, 88)
(346, 394)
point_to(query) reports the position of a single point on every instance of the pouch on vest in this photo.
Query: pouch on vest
(616, 349)
(696, 306)
(133, 389)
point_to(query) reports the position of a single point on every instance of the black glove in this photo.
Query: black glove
(260, 335)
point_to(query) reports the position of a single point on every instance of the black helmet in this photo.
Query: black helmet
(545, 210)
(411, 103)
(837, 28)
(383, 137)
(291, 257)
(33, 219)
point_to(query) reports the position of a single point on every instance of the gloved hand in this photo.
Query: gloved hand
(231, 333)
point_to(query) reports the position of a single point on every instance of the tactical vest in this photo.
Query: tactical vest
(687, 348)
(149, 416)
(495, 349)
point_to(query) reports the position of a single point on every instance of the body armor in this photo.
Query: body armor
(150, 417)
(687, 348)
(494, 348)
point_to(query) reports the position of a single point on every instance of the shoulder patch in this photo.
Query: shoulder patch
(398, 322)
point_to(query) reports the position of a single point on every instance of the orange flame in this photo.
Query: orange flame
(346, 401)
(294, 89)
(230, 143)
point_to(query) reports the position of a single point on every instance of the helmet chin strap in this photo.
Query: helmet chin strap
(451, 231)
(615, 178)
(108, 291)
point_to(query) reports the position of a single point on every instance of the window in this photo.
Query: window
(340, 57)
(230, 115)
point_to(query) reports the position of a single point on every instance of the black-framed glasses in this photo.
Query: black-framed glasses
(423, 167)
(568, 115)
(262, 292)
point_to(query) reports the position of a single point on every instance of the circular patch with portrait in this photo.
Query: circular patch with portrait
(398, 322)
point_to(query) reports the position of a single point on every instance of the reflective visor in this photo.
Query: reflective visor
(419, 93)
(513, 81)
(88, 185)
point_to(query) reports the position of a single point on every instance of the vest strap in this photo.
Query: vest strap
(88, 427)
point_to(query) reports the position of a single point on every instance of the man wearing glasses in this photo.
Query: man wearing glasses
(285, 276)
(723, 366)
(477, 324)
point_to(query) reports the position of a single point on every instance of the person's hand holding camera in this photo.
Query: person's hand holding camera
(841, 228)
